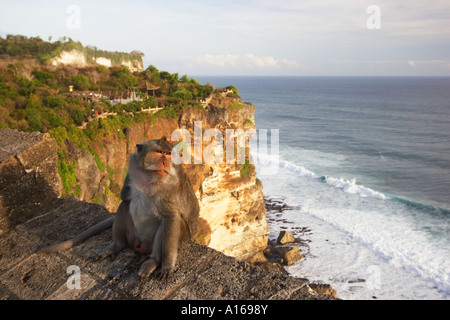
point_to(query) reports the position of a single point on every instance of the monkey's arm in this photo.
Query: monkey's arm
(105, 224)
(125, 193)
(190, 212)
(171, 238)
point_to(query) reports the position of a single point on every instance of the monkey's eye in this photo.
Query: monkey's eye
(163, 152)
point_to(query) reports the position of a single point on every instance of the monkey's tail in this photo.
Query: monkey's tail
(99, 227)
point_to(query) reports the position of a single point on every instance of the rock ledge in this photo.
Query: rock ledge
(201, 272)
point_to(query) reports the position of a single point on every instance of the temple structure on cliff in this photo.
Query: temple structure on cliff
(115, 97)
(151, 89)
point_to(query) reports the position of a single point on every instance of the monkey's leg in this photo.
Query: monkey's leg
(154, 261)
(171, 241)
(122, 232)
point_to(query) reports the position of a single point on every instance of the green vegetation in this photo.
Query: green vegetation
(248, 122)
(236, 106)
(246, 169)
(22, 47)
(67, 174)
(97, 199)
(35, 96)
(200, 239)
(235, 92)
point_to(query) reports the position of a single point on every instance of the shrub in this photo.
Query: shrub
(67, 174)
(236, 106)
(54, 120)
(43, 76)
(34, 120)
(182, 94)
(77, 117)
(246, 169)
(54, 102)
(80, 82)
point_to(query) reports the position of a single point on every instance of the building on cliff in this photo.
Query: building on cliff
(151, 89)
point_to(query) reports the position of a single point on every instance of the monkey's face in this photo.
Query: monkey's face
(159, 161)
(156, 157)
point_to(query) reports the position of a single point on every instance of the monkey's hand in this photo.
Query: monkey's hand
(105, 254)
(109, 251)
(147, 269)
(164, 273)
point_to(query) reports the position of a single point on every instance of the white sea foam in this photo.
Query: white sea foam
(348, 186)
(378, 232)
(392, 238)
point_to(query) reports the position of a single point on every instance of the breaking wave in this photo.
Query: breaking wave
(348, 186)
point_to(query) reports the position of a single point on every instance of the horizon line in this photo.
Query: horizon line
(324, 76)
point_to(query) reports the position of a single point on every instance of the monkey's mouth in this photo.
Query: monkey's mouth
(161, 173)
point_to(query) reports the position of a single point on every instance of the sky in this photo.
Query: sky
(252, 37)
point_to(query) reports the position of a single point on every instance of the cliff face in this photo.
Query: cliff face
(231, 199)
(78, 58)
(232, 216)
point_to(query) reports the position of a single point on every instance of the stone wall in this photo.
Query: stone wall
(29, 177)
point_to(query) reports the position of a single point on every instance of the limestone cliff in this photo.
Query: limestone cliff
(81, 59)
(232, 216)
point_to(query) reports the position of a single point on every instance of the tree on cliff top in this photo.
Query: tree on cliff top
(80, 82)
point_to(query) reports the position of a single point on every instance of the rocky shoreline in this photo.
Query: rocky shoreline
(287, 249)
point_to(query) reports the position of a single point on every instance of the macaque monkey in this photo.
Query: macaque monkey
(158, 210)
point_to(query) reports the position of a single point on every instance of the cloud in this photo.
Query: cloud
(240, 61)
(412, 63)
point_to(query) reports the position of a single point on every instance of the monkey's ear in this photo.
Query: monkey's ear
(139, 147)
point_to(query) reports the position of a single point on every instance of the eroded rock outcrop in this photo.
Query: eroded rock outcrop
(28, 175)
(79, 58)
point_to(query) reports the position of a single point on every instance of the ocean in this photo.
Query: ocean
(364, 164)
